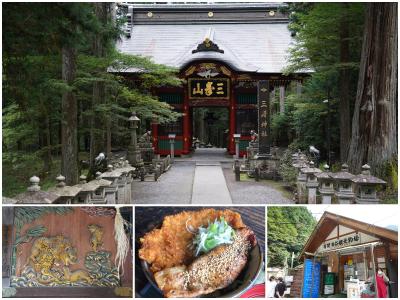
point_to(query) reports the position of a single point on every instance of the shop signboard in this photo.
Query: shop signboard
(351, 239)
(329, 289)
(311, 278)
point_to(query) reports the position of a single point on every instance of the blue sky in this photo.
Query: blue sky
(380, 215)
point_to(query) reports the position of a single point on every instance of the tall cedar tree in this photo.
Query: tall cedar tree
(374, 132)
(99, 49)
(69, 119)
(328, 43)
(34, 66)
(78, 18)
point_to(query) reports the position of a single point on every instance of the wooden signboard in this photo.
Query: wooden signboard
(264, 144)
(208, 88)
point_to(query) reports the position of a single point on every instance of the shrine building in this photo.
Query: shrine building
(221, 52)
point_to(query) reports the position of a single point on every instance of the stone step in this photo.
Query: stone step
(208, 163)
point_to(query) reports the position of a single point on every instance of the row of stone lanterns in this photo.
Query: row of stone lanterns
(111, 187)
(347, 188)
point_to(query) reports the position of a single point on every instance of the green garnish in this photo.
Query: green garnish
(215, 234)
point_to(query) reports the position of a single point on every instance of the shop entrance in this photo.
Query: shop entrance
(210, 127)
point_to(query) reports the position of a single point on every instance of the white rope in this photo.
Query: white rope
(122, 242)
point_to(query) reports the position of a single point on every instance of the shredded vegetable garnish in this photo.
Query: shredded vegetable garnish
(189, 227)
(215, 234)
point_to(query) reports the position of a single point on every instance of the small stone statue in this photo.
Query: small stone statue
(146, 138)
(254, 136)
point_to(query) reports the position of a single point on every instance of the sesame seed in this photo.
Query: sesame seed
(207, 269)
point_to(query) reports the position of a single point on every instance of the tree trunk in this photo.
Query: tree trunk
(97, 121)
(69, 120)
(374, 131)
(108, 127)
(344, 86)
(47, 157)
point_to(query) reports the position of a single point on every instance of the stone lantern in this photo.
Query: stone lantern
(34, 187)
(236, 137)
(344, 185)
(34, 195)
(171, 138)
(67, 194)
(365, 186)
(311, 182)
(134, 156)
(301, 182)
(326, 188)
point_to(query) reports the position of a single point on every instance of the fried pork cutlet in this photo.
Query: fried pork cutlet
(212, 271)
(169, 246)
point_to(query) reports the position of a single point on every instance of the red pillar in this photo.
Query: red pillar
(154, 133)
(186, 125)
(232, 123)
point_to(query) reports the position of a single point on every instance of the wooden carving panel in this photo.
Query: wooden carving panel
(75, 248)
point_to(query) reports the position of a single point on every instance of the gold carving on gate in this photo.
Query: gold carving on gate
(48, 254)
(225, 71)
(190, 70)
(50, 260)
(96, 238)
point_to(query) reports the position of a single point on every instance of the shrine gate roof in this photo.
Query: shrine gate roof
(251, 39)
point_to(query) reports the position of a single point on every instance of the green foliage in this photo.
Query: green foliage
(288, 230)
(286, 170)
(305, 119)
(389, 173)
(32, 85)
(317, 28)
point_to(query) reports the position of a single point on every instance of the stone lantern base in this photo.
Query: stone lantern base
(367, 200)
(326, 196)
(147, 152)
(134, 157)
(345, 198)
(266, 166)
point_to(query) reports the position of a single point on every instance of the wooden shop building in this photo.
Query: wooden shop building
(341, 258)
(221, 52)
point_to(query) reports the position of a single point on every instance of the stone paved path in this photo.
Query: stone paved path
(205, 177)
(209, 186)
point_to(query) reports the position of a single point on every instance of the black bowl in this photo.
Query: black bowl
(245, 280)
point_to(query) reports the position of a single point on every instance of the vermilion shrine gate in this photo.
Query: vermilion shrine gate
(222, 52)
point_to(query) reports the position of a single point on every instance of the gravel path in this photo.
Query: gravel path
(173, 187)
(252, 192)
